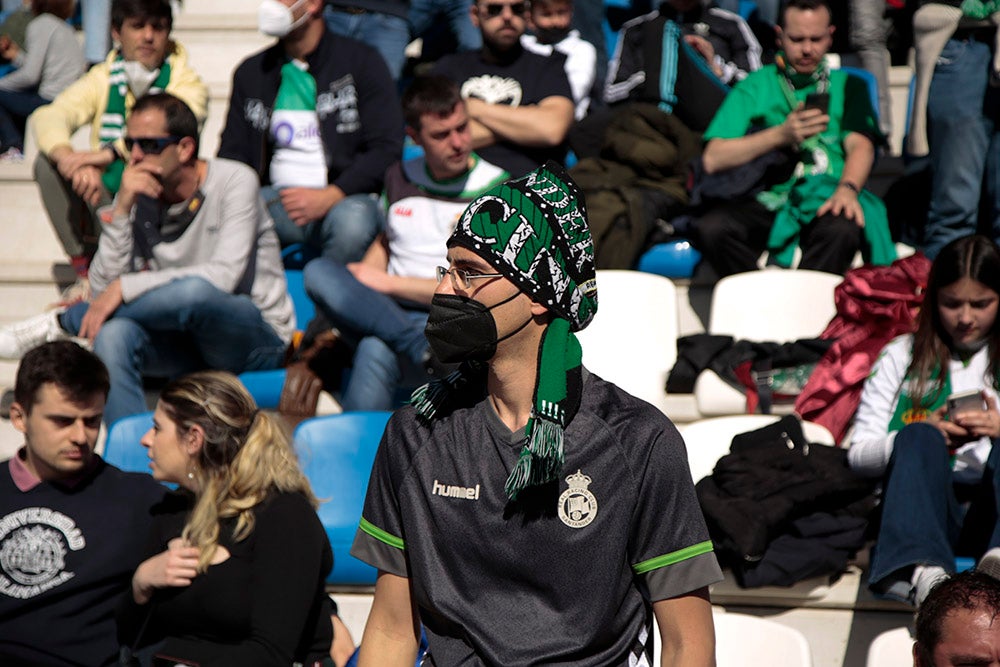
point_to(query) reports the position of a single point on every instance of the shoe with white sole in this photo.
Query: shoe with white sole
(16, 339)
(990, 563)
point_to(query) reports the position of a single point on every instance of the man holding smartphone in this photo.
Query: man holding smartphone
(811, 133)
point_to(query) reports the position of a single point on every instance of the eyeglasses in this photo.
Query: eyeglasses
(151, 145)
(494, 10)
(462, 279)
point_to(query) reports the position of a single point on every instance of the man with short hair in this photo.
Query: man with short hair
(72, 527)
(317, 117)
(188, 272)
(818, 124)
(550, 23)
(520, 103)
(959, 623)
(382, 300)
(518, 505)
(74, 184)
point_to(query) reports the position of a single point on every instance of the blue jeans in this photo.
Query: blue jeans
(15, 107)
(392, 343)
(96, 16)
(183, 326)
(959, 133)
(424, 12)
(389, 34)
(927, 518)
(343, 235)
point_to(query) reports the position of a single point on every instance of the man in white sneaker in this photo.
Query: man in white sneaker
(188, 273)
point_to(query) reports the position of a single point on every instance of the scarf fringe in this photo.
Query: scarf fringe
(429, 399)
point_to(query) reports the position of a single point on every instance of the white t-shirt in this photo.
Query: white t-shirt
(298, 159)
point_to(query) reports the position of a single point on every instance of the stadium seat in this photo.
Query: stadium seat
(742, 640)
(767, 305)
(892, 648)
(869, 80)
(673, 259)
(632, 339)
(708, 440)
(336, 452)
(122, 448)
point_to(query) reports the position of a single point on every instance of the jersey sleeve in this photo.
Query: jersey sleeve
(379, 540)
(733, 119)
(669, 546)
(859, 116)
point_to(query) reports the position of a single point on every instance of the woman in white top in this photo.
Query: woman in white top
(50, 61)
(939, 465)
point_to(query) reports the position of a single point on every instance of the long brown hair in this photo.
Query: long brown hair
(975, 257)
(246, 456)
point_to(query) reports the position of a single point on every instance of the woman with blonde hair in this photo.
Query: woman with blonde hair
(240, 554)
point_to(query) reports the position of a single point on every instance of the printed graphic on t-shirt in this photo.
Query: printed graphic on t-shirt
(493, 89)
(34, 542)
(298, 158)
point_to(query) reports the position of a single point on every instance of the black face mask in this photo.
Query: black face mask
(550, 35)
(463, 329)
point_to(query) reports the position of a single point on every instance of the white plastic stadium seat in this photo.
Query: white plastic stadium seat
(632, 341)
(892, 648)
(708, 440)
(767, 305)
(742, 640)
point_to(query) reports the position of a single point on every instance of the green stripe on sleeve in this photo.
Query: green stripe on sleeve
(668, 559)
(383, 536)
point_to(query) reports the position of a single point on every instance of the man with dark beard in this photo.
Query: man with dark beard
(520, 103)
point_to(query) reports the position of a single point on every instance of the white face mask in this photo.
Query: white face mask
(276, 20)
(139, 78)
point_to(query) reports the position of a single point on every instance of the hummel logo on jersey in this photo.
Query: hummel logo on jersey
(451, 491)
(404, 211)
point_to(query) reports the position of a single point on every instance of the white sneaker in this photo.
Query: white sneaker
(924, 579)
(16, 339)
(990, 563)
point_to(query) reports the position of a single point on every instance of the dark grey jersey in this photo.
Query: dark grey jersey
(564, 575)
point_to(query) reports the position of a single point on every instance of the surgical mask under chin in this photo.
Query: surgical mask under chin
(463, 329)
(140, 78)
(276, 20)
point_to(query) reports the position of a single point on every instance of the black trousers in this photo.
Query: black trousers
(732, 236)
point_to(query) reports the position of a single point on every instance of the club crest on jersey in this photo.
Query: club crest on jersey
(577, 505)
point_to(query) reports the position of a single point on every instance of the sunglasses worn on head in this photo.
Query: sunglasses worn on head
(494, 10)
(151, 145)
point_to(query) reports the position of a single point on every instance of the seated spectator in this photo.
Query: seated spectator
(73, 524)
(934, 455)
(188, 273)
(710, 49)
(819, 126)
(74, 184)
(384, 298)
(243, 502)
(957, 624)
(49, 62)
(520, 103)
(549, 22)
(317, 117)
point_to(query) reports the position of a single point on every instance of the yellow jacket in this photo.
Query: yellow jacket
(85, 100)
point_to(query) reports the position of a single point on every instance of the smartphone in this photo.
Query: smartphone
(965, 401)
(819, 101)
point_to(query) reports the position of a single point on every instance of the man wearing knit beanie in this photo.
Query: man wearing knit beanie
(527, 510)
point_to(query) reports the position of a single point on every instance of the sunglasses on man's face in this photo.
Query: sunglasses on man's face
(494, 10)
(151, 145)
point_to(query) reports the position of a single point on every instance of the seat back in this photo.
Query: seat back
(305, 309)
(742, 640)
(708, 440)
(892, 648)
(122, 448)
(632, 341)
(773, 305)
(870, 82)
(336, 453)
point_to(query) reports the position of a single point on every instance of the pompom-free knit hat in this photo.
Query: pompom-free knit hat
(534, 231)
